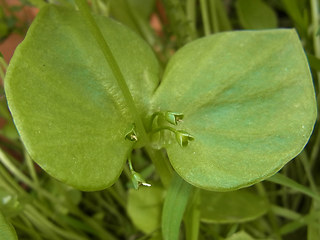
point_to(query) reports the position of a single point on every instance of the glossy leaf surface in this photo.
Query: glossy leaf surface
(248, 100)
(65, 102)
(232, 207)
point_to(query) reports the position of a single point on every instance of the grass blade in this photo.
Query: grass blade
(174, 207)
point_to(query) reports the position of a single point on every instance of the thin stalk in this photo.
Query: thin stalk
(31, 168)
(116, 196)
(31, 232)
(10, 185)
(162, 128)
(315, 25)
(3, 67)
(53, 221)
(191, 15)
(44, 226)
(306, 165)
(161, 164)
(272, 219)
(315, 150)
(3, 63)
(214, 16)
(205, 17)
(16, 172)
(91, 222)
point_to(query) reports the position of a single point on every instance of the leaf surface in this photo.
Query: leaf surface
(255, 14)
(248, 100)
(144, 207)
(232, 207)
(66, 104)
(174, 207)
(6, 229)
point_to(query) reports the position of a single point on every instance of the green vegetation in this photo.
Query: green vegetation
(201, 113)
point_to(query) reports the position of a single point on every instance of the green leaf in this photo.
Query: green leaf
(6, 230)
(297, 10)
(144, 207)
(255, 14)
(134, 14)
(313, 228)
(10, 206)
(314, 62)
(232, 207)
(240, 236)
(174, 206)
(248, 101)
(288, 182)
(66, 104)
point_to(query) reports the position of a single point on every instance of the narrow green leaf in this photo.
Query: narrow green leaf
(224, 22)
(285, 181)
(313, 228)
(232, 207)
(7, 231)
(295, 9)
(174, 206)
(249, 103)
(310, 220)
(65, 101)
(255, 14)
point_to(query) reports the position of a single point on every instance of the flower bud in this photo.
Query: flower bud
(183, 138)
(138, 180)
(132, 135)
(173, 117)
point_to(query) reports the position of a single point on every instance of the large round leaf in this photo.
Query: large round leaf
(65, 101)
(248, 100)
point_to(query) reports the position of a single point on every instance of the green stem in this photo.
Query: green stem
(16, 172)
(161, 164)
(130, 164)
(116, 196)
(3, 67)
(315, 150)
(285, 181)
(31, 168)
(162, 128)
(214, 16)
(205, 17)
(272, 219)
(315, 25)
(306, 165)
(191, 15)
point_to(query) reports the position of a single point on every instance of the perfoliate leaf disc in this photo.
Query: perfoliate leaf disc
(248, 100)
(65, 101)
